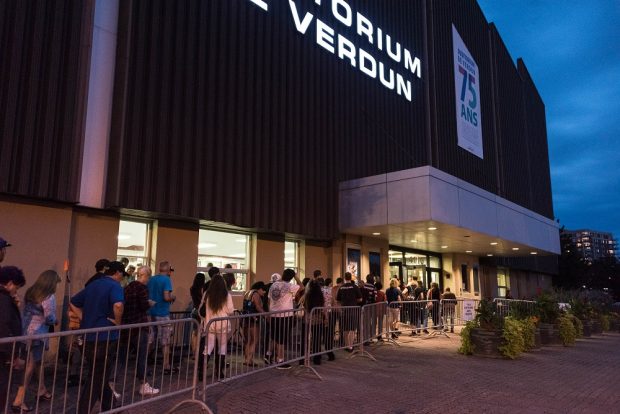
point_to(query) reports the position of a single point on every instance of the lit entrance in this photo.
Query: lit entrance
(421, 267)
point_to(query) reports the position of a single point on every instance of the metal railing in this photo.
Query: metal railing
(514, 307)
(118, 368)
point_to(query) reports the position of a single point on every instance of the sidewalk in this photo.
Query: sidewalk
(428, 376)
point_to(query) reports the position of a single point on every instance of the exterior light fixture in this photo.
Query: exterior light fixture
(432, 228)
(376, 234)
(533, 252)
(493, 243)
(414, 241)
(515, 248)
(444, 247)
(468, 251)
(489, 254)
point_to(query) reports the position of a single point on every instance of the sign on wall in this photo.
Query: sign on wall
(467, 89)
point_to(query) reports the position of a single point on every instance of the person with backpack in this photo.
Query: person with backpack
(252, 303)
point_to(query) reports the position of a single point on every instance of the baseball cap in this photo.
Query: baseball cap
(117, 267)
(4, 243)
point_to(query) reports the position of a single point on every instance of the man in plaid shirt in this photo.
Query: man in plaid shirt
(137, 304)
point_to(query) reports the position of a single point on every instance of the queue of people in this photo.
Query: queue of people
(114, 297)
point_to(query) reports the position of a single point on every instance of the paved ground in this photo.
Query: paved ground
(428, 376)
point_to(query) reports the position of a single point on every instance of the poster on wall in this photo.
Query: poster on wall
(467, 90)
(353, 262)
(469, 310)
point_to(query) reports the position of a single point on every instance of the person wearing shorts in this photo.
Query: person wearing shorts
(160, 292)
(349, 295)
(281, 296)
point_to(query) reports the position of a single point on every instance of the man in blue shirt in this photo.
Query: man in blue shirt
(160, 291)
(100, 304)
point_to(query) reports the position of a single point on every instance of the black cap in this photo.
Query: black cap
(213, 271)
(117, 267)
(4, 243)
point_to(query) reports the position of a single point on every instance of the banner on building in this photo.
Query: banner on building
(467, 89)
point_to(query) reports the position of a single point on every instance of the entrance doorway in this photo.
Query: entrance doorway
(421, 267)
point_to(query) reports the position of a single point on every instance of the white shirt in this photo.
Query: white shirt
(226, 310)
(281, 295)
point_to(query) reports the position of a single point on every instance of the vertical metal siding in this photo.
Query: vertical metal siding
(510, 121)
(473, 28)
(43, 83)
(226, 113)
(536, 124)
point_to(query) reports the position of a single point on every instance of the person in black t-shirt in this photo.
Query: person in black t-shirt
(349, 295)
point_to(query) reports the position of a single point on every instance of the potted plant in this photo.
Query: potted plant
(582, 310)
(486, 336)
(549, 312)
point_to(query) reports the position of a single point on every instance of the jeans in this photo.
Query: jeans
(137, 339)
(99, 358)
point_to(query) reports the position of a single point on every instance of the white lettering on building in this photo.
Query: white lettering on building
(365, 60)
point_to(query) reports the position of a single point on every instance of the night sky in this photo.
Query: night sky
(572, 50)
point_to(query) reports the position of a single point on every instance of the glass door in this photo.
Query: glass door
(396, 270)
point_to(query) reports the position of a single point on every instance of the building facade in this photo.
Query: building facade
(590, 244)
(397, 138)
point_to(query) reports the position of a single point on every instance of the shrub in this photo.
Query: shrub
(529, 333)
(513, 334)
(577, 324)
(604, 322)
(467, 347)
(568, 333)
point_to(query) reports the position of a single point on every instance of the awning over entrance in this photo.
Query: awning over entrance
(427, 209)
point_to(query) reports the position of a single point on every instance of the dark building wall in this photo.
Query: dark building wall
(536, 123)
(225, 112)
(473, 28)
(512, 137)
(44, 68)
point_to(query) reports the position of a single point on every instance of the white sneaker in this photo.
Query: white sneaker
(146, 389)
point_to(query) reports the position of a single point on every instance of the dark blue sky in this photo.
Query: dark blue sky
(572, 50)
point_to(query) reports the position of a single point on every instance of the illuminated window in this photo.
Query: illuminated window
(291, 255)
(133, 242)
(503, 281)
(228, 251)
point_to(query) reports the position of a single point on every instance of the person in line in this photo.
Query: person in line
(281, 295)
(218, 304)
(317, 274)
(100, 268)
(349, 295)
(100, 304)
(330, 320)
(394, 296)
(369, 297)
(137, 304)
(449, 306)
(420, 312)
(39, 315)
(160, 291)
(433, 307)
(252, 303)
(265, 335)
(337, 315)
(11, 280)
(196, 291)
(380, 310)
(314, 321)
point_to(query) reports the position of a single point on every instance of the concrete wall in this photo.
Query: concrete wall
(180, 248)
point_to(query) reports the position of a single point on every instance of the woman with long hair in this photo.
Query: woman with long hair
(196, 291)
(218, 303)
(39, 316)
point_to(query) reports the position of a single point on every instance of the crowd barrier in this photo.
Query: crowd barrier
(104, 366)
(506, 307)
(221, 350)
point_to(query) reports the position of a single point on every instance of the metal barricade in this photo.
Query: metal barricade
(375, 323)
(515, 307)
(243, 344)
(114, 367)
(464, 311)
(413, 316)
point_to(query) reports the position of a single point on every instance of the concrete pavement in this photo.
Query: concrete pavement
(429, 376)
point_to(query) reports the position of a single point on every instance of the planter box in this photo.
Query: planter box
(549, 334)
(537, 339)
(486, 343)
(597, 328)
(587, 328)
